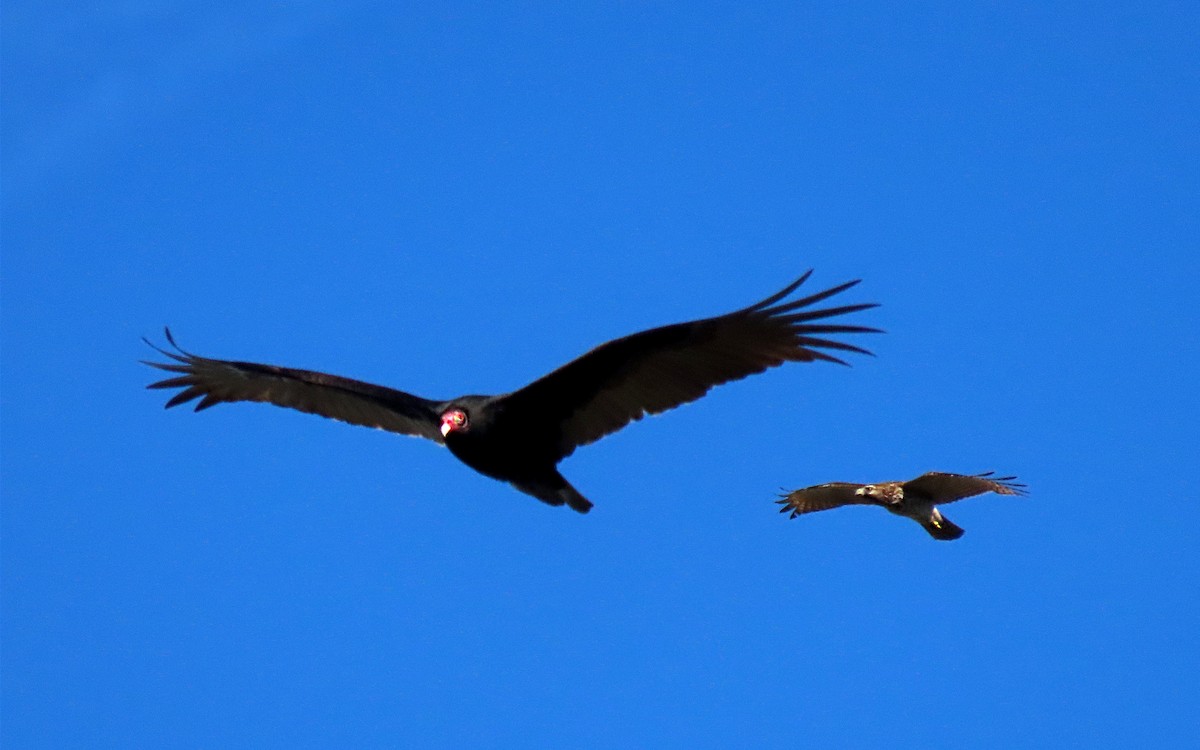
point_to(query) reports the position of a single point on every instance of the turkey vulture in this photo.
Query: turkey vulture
(520, 437)
(916, 499)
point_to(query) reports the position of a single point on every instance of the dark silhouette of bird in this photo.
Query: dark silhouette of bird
(520, 437)
(916, 499)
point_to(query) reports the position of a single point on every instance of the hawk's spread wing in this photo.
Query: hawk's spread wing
(821, 497)
(944, 488)
(214, 381)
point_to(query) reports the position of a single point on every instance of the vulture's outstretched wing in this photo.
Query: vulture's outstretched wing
(946, 488)
(214, 381)
(659, 369)
(821, 497)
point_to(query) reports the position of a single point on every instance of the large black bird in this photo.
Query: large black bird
(520, 437)
(916, 499)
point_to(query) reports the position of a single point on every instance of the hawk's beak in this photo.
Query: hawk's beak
(860, 491)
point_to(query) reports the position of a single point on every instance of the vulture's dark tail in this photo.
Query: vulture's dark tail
(556, 491)
(578, 502)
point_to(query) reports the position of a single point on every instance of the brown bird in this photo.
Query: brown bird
(916, 499)
(520, 437)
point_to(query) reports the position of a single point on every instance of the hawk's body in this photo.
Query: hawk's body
(916, 499)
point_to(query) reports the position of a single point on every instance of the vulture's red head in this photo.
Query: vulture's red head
(453, 420)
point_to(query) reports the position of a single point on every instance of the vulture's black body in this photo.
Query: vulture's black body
(520, 437)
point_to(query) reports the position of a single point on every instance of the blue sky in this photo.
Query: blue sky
(460, 199)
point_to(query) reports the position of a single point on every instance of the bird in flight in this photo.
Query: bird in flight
(916, 499)
(520, 437)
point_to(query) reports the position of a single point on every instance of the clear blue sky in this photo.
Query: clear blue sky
(458, 200)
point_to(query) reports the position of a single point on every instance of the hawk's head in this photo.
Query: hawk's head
(889, 493)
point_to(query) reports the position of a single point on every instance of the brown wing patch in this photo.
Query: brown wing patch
(942, 487)
(820, 497)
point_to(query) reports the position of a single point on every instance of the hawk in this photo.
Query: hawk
(916, 499)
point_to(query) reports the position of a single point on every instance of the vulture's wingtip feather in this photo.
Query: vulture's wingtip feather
(179, 355)
(180, 349)
(781, 294)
